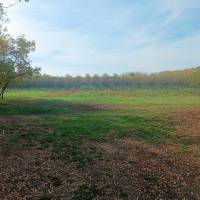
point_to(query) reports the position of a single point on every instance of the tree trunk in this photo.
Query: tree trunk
(3, 89)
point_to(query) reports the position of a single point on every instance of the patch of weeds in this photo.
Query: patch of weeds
(152, 155)
(153, 136)
(186, 148)
(75, 151)
(123, 195)
(28, 136)
(71, 180)
(56, 181)
(26, 109)
(150, 178)
(44, 197)
(31, 134)
(38, 163)
(132, 162)
(85, 192)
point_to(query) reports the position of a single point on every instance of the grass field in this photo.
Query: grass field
(100, 144)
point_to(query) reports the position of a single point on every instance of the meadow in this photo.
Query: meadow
(100, 144)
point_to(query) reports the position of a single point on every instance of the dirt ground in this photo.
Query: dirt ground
(128, 169)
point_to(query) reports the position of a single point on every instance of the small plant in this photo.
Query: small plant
(56, 181)
(74, 151)
(44, 197)
(123, 195)
(85, 192)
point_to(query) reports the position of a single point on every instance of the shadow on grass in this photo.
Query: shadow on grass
(41, 107)
(66, 127)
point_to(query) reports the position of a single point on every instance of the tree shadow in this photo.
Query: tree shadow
(42, 107)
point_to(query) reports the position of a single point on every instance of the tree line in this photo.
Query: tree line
(178, 78)
(16, 70)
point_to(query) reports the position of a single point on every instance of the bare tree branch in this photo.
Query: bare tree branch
(10, 5)
(13, 4)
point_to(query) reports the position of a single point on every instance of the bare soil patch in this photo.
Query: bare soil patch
(188, 126)
(129, 170)
(60, 93)
(119, 93)
(141, 171)
(33, 174)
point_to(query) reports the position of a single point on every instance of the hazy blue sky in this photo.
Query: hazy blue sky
(110, 36)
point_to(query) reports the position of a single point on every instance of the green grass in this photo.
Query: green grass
(64, 120)
(142, 97)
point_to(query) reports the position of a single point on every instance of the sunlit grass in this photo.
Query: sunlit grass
(64, 119)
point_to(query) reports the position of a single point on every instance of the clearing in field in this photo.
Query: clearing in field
(99, 100)
(100, 144)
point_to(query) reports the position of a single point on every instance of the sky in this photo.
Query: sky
(78, 37)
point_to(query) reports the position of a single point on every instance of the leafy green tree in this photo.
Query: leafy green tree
(14, 57)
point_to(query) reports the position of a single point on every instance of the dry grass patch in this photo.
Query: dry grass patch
(128, 169)
(140, 171)
(187, 126)
(60, 93)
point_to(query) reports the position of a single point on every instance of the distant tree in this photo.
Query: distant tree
(178, 78)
